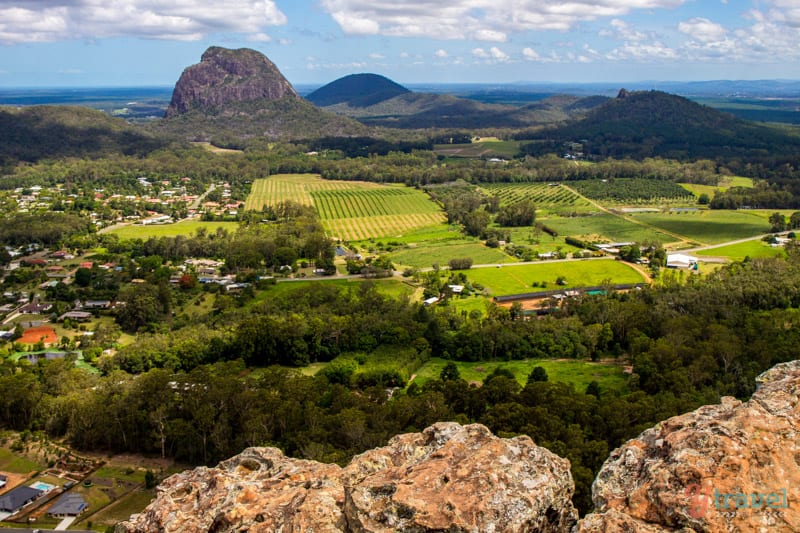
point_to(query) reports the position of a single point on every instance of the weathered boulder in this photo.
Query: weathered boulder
(447, 478)
(258, 490)
(728, 467)
(226, 77)
(454, 478)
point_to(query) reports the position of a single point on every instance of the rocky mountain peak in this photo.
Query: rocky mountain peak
(224, 77)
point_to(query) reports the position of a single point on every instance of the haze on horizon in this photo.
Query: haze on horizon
(88, 43)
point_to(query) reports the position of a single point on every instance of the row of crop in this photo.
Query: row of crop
(362, 203)
(378, 226)
(541, 194)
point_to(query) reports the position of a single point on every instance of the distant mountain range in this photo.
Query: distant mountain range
(376, 100)
(232, 96)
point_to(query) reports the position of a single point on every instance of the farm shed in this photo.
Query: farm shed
(681, 261)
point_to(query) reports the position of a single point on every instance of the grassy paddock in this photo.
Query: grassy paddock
(426, 256)
(724, 185)
(16, 464)
(185, 227)
(604, 226)
(709, 226)
(577, 373)
(486, 147)
(517, 279)
(739, 251)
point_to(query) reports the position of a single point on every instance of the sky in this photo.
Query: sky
(125, 43)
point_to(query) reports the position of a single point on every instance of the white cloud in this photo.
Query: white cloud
(483, 20)
(377, 56)
(498, 55)
(493, 55)
(621, 30)
(404, 55)
(440, 53)
(530, 54)
(702, 30)
(51, 20)
(259, 38)
(643, 52)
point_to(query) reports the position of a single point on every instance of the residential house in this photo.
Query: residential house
(16, 499)
(69, 504)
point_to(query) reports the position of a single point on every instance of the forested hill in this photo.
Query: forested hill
(656, 124)
(357, 90)
(33, 133)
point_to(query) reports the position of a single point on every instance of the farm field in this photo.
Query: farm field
(547, 198)
(574, 372)
(633, 191)
(185, 227)
(737, 252)
(604, 226)
(350, 210)
(709, 226)
(733, 181)
(425, 256)
(517, 279)
(486, 147)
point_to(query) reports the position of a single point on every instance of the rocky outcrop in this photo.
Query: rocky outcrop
(728, 467)
(447, 478)
(225, 77)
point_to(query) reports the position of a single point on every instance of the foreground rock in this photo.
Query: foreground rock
(226, 77)
(728, 467)
(447, 478)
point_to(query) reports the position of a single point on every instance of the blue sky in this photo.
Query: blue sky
(149, 42)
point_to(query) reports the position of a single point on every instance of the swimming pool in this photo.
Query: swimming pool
(42, 486)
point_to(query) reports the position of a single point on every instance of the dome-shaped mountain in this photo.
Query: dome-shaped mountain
(357, 90)
(643, 124)
(225, 77)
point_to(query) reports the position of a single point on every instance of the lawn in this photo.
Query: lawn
(518, 279)
(424, 256)
(709, 226)
(605, 226)
(578, 373)
(737, 252)
(185, 227)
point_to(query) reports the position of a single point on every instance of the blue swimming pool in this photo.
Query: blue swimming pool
(41, 485)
